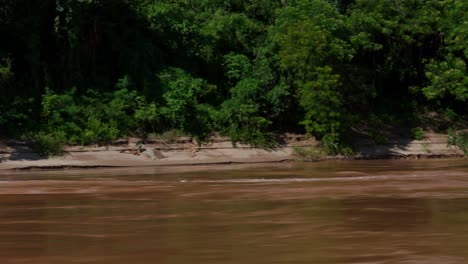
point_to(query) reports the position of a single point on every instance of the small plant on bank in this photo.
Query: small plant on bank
(452, 115)
(418, 133)
(48, 145)
(460, 140)
(332, 145)
(309, 153)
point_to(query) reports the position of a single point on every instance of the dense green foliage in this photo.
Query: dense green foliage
(90, 71)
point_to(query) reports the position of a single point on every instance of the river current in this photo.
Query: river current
(388, 211)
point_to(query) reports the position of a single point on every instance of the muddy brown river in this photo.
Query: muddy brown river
(391, 211)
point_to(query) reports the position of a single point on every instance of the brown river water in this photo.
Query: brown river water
(389, 211)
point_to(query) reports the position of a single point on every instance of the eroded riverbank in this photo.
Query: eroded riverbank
(18, 155)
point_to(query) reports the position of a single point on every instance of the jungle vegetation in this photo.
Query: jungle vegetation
(91, 71)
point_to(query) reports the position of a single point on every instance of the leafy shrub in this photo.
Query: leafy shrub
(308, 153)
(332, 145)
(98, 131)
(241, 118)
(452, 115)
(183, 106)
(322, 103)
(459, 140)
(48, 145)
(145, 114)
(451, 137)
(16, 114)
(95, 117)
(447, 77)
(418, 133)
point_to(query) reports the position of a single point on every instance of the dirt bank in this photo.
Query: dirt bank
(129, 153)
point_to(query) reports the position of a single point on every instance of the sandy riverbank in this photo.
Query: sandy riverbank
(16, 155)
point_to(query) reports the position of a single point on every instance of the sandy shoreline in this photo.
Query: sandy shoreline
(18, 156)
